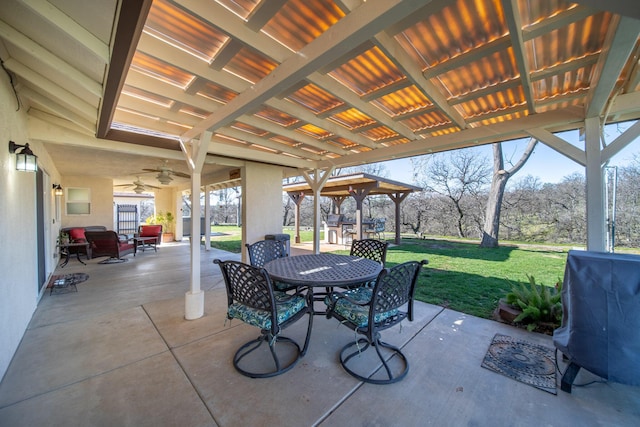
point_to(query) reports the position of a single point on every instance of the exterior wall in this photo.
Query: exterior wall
(18, 260)
(262, 193)
(101, 202)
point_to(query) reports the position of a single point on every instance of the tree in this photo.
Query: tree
(460, 176)
(496, 193)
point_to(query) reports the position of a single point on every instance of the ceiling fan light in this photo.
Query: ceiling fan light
(139, 189)
(164, 178)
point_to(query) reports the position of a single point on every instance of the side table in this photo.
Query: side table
(142, 242)
(65, 250)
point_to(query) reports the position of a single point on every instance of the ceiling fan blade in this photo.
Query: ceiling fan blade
(151, 170)
(180, 174)
(124, 185)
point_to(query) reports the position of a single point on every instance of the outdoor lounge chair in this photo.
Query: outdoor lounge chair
(251, 298)
(370, 310)
(110, 244)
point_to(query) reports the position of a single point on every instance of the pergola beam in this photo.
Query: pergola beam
(350, 31)
(622, 39)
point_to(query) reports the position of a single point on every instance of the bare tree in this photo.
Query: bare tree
(457, 175)
(496, 193)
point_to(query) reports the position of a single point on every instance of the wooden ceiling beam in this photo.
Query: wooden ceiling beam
(514, 23)
(263, 13)
(620, 42)
(48, 12)
(52, 90)
(352, 30)
(49, 60)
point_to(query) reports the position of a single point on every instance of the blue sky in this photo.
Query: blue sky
(545, 163)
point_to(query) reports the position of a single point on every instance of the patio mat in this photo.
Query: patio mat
(522, 361)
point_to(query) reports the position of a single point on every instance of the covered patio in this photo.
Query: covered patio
(119, 352)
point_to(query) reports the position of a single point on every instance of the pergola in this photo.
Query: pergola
(358, 186)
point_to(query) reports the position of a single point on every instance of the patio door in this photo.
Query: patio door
(40, 232)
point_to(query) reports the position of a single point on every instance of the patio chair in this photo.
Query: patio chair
(370, 310)
(372, 249)
(251, 298)
(263, 251)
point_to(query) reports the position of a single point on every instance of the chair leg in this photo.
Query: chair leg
(310, 324)
(363, 345)
(251, 346)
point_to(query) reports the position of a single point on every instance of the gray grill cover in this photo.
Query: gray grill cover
(600, 328)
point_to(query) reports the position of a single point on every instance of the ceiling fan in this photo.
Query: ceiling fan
(138, 186)
(165, 173)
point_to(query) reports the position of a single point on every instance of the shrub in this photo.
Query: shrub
(541, 305)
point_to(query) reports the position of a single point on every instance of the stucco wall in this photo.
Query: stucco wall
(262, 193)
(18, 263)
(101, 202)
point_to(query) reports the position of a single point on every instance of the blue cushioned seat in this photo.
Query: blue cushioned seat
(252, 299)
(286, 306)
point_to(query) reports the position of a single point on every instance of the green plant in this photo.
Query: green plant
(540, 304)
(63, 238)
(164, 219)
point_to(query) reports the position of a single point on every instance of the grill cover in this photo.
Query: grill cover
(600, 328)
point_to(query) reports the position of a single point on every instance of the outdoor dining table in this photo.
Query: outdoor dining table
(324, 270)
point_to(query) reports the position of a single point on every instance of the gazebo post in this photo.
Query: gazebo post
(297, 198)
(397, 199)
(359, 194)
(316, 183)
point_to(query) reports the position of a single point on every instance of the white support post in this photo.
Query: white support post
(596, 227)
(207, 219)
(195, 154)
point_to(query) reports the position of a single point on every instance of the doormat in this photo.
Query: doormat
(112, 261)
(522, 361)
(64, 282)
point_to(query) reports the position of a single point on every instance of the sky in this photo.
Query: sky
(546, 164)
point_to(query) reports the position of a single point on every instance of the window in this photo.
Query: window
(78, 201)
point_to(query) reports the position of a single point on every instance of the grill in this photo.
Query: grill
(601, 306)
(338, 227)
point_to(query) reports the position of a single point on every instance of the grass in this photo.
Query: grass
(460, 275)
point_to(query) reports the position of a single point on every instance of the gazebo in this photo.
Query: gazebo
(358, 186)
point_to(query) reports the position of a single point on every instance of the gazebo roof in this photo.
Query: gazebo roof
(340, 185)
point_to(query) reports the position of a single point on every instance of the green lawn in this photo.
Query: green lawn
(460, 275)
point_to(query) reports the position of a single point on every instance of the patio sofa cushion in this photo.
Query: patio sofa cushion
(287, 306)
(358, 314)
(77, 235)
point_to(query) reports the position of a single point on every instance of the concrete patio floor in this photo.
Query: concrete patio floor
(119, 352)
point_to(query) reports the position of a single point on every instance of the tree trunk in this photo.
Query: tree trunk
(492, 218)
(498, 184)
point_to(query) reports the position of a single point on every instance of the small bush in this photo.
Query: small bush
(541, 305)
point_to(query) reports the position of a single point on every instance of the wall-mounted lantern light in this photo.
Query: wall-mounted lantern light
(57, 190)
(25, 159)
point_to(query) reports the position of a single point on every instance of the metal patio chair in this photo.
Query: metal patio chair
(252, 299)
(263, 251)
(368, 311)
